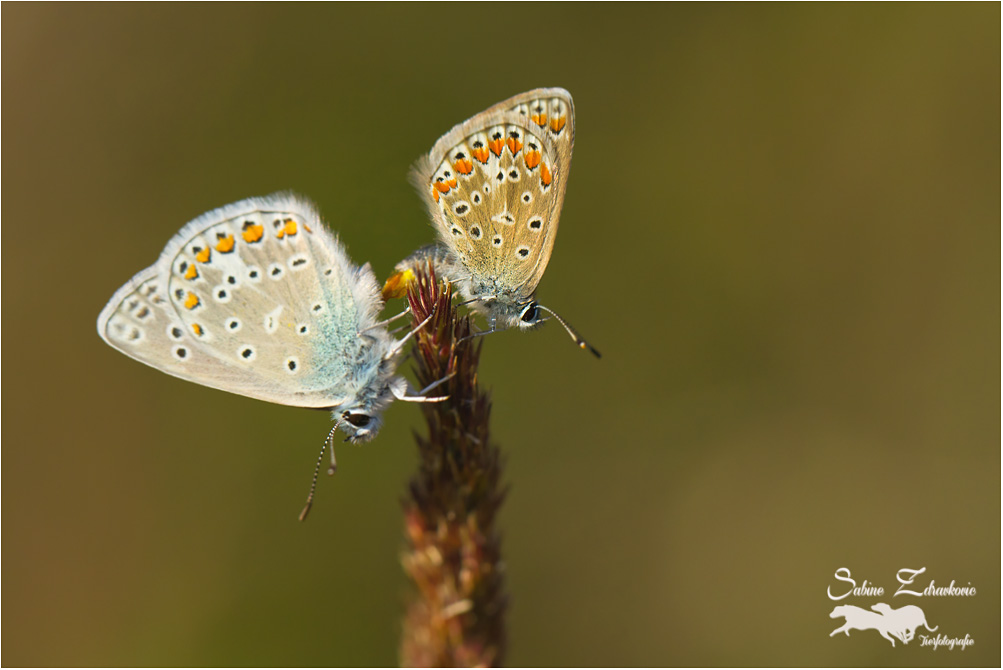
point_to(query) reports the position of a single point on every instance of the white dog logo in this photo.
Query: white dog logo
(902, 623)
(907, 619)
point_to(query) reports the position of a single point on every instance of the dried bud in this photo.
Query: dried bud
(456, 618)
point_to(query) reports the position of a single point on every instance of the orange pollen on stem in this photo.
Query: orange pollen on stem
(397, 285)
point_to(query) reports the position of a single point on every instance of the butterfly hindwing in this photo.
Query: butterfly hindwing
(495, 184)
(140, 323)
(256, 298)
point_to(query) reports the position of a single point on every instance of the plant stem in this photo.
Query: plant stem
(456, 617)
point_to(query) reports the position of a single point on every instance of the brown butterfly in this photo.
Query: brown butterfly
(494, 186)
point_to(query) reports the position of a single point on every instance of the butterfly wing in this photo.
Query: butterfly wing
(495, 183)
(256, 298)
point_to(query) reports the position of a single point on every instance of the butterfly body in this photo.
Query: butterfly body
(500, 304)
(494, 186)
(258, 298)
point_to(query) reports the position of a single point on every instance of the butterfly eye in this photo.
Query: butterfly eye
(357, 420)
(531, 313)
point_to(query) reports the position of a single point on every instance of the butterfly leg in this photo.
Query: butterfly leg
(473, 300)
(431, 386)
(400, 394)
(400, 343)
(381, 324)
(492, 329)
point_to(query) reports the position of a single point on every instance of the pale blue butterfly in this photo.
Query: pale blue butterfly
(494, 186)
(258, 298)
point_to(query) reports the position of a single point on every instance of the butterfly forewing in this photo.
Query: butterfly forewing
(256, 298)
(495, 185)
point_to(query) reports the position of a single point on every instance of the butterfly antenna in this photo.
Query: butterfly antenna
(579, 340)
(316, 471)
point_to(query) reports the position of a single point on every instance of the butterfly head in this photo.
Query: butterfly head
(504, 314)
(360, 424)
(529, 316)
(361, 417)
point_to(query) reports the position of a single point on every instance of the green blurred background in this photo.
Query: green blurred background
(781, 229)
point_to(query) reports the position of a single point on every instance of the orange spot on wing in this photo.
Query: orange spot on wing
(192, 301)
(496, 146)
(556, 124)
(539, 119)
(463, 166)
(225, 245)
(545, 176)
(452, 183)
(253, 233)
(442, 186)
(203, 255)
(480, 154)
(307, 228)
(435, 194)
(290, 227)
(532, 159)
(514, 145)
(197, 328)
(191, 272)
